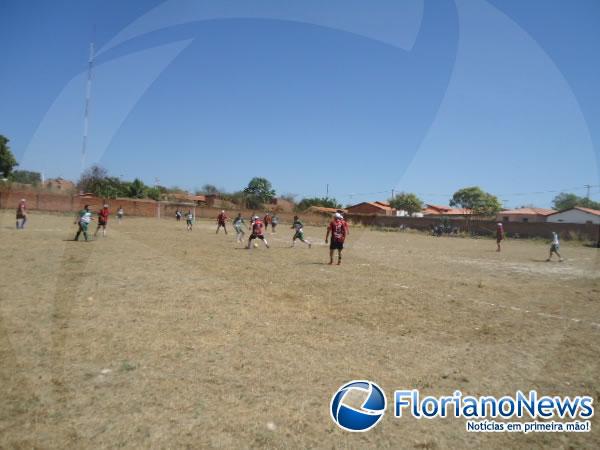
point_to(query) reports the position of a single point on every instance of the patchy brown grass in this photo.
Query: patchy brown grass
(155, 337)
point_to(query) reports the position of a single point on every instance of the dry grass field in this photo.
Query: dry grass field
(158, 338)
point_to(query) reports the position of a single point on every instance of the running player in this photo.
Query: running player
(221, 220)
(554, 247)
(83, 220)
(299, 234)
(189, 220)
(102, 220)
(274, 222)
(258, 232)
(178, 215)
(239, 224)
(120, 213)
(339, 230)
(499, 235)
(21, 214)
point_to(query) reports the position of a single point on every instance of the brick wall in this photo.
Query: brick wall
(566, 231)
(58, 202)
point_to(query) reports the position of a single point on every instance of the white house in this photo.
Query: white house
(524, 215)
(575, 215)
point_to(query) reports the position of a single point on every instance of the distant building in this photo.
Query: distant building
(445, 211)
(403, 213)
(575, 215)
(59, 184)
(378, 208)
(199, 200)
(524, 215)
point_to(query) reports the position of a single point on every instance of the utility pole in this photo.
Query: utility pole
(86, 116)
(587, 186)
(392, 193)
(327, 195)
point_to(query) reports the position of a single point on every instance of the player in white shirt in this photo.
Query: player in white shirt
(554, 247)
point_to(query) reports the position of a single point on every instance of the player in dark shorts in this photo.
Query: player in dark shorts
(221, 220)
(258, 232)
(339, 230)
(84, 217)
(499, 235)
(102, 220)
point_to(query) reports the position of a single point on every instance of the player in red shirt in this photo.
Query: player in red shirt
(339, 230)
(258, 232)
(102, 220)
(221, 219)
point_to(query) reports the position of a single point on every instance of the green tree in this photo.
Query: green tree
(137, 189)
(93, 179)
(259, 191)
(475, 199)
(208, 189)
(566, 200)
(7, 159)
(324, 202)
(26, 177)
(407, 201)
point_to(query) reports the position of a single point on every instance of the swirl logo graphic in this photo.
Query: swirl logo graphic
(370, 412)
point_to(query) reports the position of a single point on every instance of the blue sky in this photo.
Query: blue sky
(421, 96)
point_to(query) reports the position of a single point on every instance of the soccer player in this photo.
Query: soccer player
(239, 225)
(21, 214)
(102, 220)
(83, 220)
(178, 215)
(221, 220)
(299, 233)
(120, 213)
(267, 221)
(274, 222)
(189, 220)
(499, 235)
(258, 232)
(339, 230)
(554, 247)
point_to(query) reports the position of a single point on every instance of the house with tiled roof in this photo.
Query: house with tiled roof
(578, 214)
(437, 210)
(377, 208)
(524, 215)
